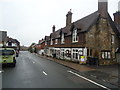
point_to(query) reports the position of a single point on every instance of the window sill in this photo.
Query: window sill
(62, 43)
(75, 42)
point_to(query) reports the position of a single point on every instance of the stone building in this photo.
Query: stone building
(94, 37)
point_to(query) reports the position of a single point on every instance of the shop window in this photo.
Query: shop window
(68, 53)
(75, 54)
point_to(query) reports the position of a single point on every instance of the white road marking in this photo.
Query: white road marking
(45, 73)
(89, 80)
(33, 62)
(1, 71)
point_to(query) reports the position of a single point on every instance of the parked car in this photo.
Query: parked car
(8, 56)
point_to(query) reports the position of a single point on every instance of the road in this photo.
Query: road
(31, 71)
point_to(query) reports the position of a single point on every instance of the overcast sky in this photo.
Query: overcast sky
(30, 20)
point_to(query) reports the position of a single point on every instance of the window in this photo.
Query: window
(45, 42)
(81, 52)
(56, 41)
(68, 53)
(62, 53)
(51, 42)
(112, 39)
(75, 54)
(6, 52)
(89, 52)
(62, 39)
(74, 36)
(106, 55)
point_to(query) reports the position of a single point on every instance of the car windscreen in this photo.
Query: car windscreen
(6, 52)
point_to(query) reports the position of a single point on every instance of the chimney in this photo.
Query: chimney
(117, 17)
(53, 28)
(69, 18)
(103, 8)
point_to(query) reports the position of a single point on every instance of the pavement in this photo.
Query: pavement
(109, 74)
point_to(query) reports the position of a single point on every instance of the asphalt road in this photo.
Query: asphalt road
(31, 71)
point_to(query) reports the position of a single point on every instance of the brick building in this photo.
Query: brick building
(94, 36)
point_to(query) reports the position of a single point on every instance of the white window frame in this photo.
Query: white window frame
(74, 53)
(106, 55)
(63, 38)
(56, 41)
(74, 36)
(45, 42)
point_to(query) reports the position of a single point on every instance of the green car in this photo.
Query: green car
(8, 56)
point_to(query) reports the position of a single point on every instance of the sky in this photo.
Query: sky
(30, 20)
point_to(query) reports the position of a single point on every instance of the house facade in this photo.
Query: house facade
(94, 37)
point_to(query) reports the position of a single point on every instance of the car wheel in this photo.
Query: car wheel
(14, 64)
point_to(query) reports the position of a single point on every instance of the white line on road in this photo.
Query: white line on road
(89, 80)
(45, 73)
(1, 71)
(33, 62)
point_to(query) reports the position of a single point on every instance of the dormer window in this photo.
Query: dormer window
(62, 38)
(51, 42)
(74, 36)
(56, 41)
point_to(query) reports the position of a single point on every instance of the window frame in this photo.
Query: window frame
(74, 35)
(63, 38)
(75, 54)
(51, 41)
(106, 54)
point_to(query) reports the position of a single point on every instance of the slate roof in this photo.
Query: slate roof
(56, 34)
(47, 38)
(118, 27)
(84, 25)
(114, 26)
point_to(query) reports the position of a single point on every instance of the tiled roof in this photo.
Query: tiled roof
(47, 38)
(84, 25)
(114, 26)
(118, 27)
(56, 34)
